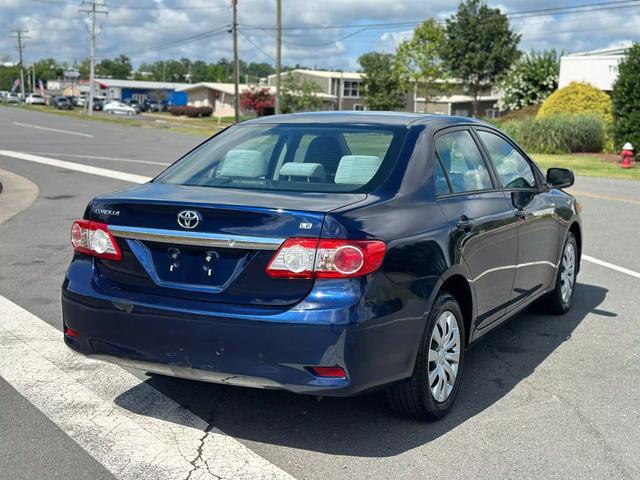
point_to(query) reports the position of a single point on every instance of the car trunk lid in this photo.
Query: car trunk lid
(219, 249)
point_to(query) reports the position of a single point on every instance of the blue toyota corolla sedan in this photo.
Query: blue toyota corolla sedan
(324, 253)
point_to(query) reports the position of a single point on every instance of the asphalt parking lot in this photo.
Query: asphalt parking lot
(542, 397)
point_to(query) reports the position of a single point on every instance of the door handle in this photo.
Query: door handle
(464, 223)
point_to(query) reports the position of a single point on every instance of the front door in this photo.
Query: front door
(483, 224)
(534, 207)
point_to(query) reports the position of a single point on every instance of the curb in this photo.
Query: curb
(18, 193)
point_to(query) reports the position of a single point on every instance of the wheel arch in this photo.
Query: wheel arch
(458, 286)
(577, 233)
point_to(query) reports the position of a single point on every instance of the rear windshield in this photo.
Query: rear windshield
(291, 157)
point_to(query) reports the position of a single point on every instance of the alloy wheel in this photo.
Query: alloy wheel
(568, 272)
(444, 356)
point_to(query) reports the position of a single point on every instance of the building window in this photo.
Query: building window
(351, 89)
(358, 106)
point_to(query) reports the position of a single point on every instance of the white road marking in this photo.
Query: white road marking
(94, 157)
(77, 167)
(97, 405)
(617, 268)
(57, 130)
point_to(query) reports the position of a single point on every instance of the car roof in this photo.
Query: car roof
(379, 118)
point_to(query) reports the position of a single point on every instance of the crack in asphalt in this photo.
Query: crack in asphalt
(213, 412)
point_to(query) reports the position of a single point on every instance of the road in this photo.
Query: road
(542, 397)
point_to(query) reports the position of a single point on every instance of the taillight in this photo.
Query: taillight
(94, 238)
(326, 258)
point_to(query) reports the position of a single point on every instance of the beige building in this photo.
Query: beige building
(339, 90)
(219, 96)
(343, 91)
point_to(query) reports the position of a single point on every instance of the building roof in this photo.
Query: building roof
(604, 52)
(117, 83)
(227, 88)
(325, 74)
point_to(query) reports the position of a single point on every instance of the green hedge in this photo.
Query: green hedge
(558, 134)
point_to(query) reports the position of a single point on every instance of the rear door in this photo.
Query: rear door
(534, 207)
(483, 227)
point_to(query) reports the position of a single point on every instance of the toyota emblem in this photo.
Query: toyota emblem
(189, 219)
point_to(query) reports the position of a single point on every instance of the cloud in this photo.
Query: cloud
(153, 30)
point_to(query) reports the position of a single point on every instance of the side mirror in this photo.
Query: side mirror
(560, 177)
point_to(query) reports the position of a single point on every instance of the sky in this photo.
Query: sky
(150, 30)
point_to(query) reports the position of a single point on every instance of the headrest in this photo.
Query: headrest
(243, 163)
(307, 170)
(357, 169)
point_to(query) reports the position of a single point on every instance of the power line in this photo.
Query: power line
(611, 5)
(260, 49)
(174, 43)
(132, 7)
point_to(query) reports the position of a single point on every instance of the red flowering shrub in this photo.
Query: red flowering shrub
(258, 100)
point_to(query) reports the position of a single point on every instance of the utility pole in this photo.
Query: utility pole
(93, 8)
(20, 35)
(236, 60)
(278, 110)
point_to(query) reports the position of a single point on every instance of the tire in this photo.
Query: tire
(557, 301)
(415, 397)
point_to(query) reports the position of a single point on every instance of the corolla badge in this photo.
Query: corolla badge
(189, 219)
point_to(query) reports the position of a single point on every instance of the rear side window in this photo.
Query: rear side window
(512, 168)
(442, 187)
(463, 162)
(333, 158)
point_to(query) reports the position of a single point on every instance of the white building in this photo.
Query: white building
(598, 68)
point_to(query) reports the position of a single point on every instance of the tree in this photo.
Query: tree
(626, 101)
(530, 80)
(258, 100)
(382, 88)
(119, 67)
(479, 47)
(8, 75)
(418, 59)
(299, 95)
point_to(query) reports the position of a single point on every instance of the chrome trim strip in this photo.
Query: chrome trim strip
(202, 239)
(189, 373)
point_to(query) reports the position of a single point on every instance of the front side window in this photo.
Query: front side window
(291, 157)
(463, 162)
(512, 168)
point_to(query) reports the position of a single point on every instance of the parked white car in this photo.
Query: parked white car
(120, 108)
(35, 99)
(12, 98)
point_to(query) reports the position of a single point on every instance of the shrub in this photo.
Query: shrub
(260, 101)
(558, 134)
(530, 80)
(578, 98)
(626, 100)
(195, 112)
(177, 111)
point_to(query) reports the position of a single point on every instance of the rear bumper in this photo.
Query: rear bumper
(266, 351)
